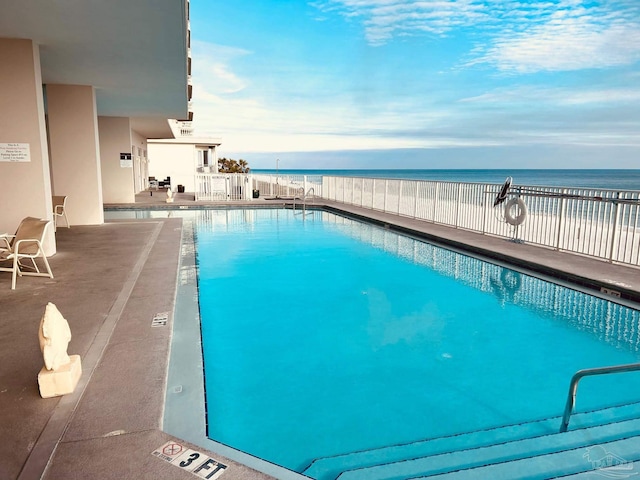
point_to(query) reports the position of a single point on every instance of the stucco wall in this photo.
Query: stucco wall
(173, 160)
(75, 151)
(26, 186)
(117, 180)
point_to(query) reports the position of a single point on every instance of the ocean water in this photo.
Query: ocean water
(599, 179)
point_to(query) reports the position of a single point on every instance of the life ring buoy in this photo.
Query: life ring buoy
(521, 208)
(502, 195)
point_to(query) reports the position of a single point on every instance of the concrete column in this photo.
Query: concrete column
(213, 154)
(75, 151)
(25, 186)
(117, 176)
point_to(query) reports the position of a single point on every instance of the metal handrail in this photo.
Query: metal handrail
(573, 386)
(304, 199)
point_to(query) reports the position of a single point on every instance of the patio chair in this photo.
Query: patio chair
(26, 243)
(59, 210)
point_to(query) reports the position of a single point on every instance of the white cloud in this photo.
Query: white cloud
(249, 119)
(556, 96)
(213, 67)
(384, 19)
(516, 36)
(566, 37)
(251, 116)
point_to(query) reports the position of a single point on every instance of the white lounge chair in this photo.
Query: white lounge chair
(26, 243)
(59, 210)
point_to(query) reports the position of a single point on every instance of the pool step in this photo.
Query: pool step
(498, 456)
(616, 459)
(454, 452)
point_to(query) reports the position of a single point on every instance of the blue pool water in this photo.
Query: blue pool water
(323, 335)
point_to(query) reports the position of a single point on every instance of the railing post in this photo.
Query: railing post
(386, 189)
(458, 203)
(399, 195)
(561, 209)
(304, 185)
(415, 203)
(373, 194)
(571, 401)
(353, 188)
(435, 202)
(485, 209)
(616, 219)
(362, 191)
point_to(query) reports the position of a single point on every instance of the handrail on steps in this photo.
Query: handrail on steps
(311, 192)
(573, 386)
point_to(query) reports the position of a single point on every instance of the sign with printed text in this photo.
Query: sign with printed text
(125, 160)
(15, 152)
(197, 463)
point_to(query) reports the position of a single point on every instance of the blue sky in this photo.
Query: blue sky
(424, 84)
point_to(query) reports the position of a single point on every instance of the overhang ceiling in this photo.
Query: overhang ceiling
(134, 52)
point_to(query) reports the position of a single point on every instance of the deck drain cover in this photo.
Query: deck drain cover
(160, 319)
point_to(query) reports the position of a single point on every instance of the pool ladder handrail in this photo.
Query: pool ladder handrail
(573, 386)
(310, 192)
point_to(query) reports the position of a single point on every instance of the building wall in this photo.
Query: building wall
(26, 186)
(117, 176)
(75, 151)
(177, 161)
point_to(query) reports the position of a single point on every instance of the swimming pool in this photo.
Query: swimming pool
(421, 364)
(324, 335)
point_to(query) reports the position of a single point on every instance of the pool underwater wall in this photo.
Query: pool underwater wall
(610, 322)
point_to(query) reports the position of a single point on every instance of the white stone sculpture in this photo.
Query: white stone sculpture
(61, 372)
(54, 336)
(169, 195)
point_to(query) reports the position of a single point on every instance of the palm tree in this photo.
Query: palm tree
(244, 166)
(228, 165)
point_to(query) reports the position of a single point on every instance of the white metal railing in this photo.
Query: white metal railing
(222, 186)
(286, 186)
(240, 186)
(573, 386)
(302, 197)
(593, 222)
(182, 128)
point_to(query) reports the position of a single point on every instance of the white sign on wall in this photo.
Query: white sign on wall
(125, 160)
(15, 152)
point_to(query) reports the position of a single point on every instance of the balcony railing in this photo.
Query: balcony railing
(181, 128)
(593, 222)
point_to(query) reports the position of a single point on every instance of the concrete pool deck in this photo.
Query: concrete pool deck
(110, 281)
